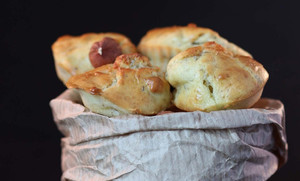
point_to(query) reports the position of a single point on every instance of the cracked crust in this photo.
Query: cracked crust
(161, 44)
(209, 78)
(71, 53)
(129, 86)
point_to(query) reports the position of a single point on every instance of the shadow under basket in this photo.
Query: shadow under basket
(244, 144)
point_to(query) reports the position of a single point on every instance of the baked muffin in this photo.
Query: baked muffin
(161, 44)
(209, 77)
(71, 53)
(129, 86)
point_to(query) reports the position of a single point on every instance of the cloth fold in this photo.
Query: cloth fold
(244, 144)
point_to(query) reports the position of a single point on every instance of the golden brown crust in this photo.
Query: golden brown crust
(161, 44)
(96, 79)
(132, 61)
(126, 85)
(209, 77)
(71, 53)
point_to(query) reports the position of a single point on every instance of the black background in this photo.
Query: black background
(29, 140)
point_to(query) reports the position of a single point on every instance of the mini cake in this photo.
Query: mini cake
(129, 86)
(209, 77)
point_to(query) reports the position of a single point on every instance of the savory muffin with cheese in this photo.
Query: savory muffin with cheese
(71, 53)
(209, 77)
(129, 86)
(161, 44)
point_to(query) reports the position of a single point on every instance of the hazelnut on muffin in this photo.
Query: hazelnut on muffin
(72, 53)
